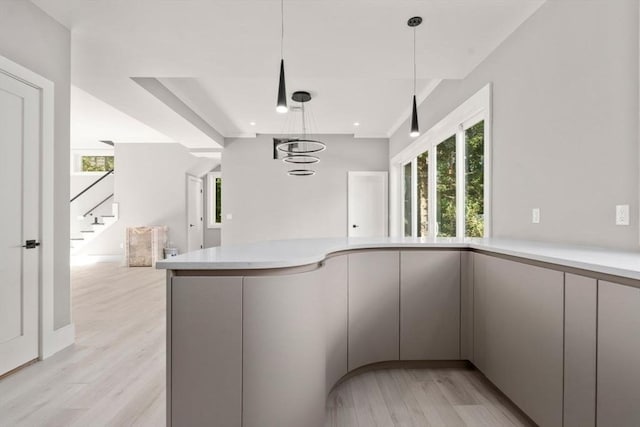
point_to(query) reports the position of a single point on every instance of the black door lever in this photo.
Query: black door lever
(31, 244)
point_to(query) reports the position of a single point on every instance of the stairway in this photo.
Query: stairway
(94, 229)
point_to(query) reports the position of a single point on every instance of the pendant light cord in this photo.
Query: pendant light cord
(414, 61)
(281, 29)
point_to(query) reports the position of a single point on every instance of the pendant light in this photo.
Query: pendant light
(281, 106)
(301, 150)
(415, 128)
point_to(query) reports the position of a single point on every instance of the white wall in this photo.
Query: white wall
(565, 123)
(266, 204)
(150, 187)
(32, 39)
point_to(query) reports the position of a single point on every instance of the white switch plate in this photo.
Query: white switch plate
(229, 216)
(622, 215)
(535, 215)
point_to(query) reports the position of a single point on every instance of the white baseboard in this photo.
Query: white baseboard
(57, 340)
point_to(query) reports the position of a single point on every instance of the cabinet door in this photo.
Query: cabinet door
(580, 312)
(334, 289)
(429, 305)
(618, 355)
(206, 351)
(373, 307)
(518, 337)
(284, 348)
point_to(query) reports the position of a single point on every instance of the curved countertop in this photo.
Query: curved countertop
(299, 252)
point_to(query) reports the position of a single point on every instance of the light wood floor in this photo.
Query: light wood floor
(114, 374)
(421, 398)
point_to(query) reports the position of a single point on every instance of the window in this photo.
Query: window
(214, 200)
(446, 188)
(474, 180)
(443, 176)
(408, 221)
(96, 163)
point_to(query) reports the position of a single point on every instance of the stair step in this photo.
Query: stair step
(77, 238)
(107, 216)
(87, 231)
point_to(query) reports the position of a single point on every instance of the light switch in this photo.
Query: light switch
(535, 215)
(622, 215)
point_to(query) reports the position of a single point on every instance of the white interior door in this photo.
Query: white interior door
(19, 221)
(367, 204)
(195, 214)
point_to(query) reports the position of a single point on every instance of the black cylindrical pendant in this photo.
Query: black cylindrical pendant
(415, 129)
(281, 106)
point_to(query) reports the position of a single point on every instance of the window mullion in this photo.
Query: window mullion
(431, 191)
(460, 182)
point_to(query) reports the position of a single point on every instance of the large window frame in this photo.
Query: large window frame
(476, 109)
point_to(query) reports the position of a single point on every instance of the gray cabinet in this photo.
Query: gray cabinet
(429, 305)
(618, 355)
(283, 351)
(333, 276)
(373, 307)
(580, 351)
(518, 336)
(205, 372)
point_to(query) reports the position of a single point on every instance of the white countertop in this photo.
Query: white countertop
(293, 253)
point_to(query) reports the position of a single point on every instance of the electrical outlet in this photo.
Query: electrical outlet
(535, 215)
(622, 215)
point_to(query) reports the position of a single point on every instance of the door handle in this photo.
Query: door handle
(355, 226)
(31, 244)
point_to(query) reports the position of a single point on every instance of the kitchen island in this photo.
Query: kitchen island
(258, 334)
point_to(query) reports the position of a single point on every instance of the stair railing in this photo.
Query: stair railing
(92, 184)
(90, 211)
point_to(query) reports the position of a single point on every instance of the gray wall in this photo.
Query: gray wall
(267, 204)
(32, 39)
(150, 187)
(565, 123)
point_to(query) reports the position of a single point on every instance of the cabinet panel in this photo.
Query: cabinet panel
(618, 355)
(429, 305)
(580, 351)
(373, 307)
(284, 348)
(334, 287)
(518, 336)
(206, 351)
(466, 305)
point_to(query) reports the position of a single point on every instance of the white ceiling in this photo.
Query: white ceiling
(221, 57)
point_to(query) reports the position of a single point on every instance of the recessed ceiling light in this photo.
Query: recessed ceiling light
(252, 123)
(356, 123)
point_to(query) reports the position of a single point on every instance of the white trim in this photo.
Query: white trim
(51, 340)
(212, 200)
(476, 108)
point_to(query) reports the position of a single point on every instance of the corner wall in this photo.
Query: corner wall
(267, 204)
(150, 187)
(565, 123)
(34, 40)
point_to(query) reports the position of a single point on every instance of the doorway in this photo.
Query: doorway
(195, 214)
(19, 228)
(367, 204)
